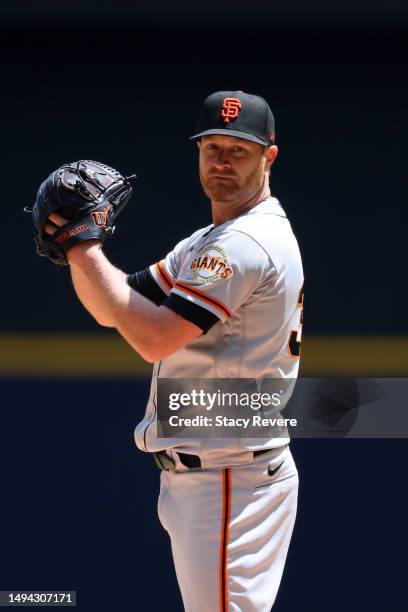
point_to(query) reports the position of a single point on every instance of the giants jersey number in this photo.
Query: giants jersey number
(295, 337)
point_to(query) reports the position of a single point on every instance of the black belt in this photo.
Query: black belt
(191, 461)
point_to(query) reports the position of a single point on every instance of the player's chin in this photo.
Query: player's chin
(221, 191)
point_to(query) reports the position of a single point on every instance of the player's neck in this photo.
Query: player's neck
(225, 211)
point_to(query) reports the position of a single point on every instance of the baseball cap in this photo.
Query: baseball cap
(235, 113)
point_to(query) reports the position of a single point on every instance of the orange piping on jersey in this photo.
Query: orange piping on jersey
(206, 298)
(161, 271)
(226, 514)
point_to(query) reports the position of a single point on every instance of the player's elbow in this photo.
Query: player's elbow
(155, 351)
(149, 358)
(152, 354)
(104, 322)
(166, 339)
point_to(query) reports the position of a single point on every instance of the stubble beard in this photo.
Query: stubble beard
(218, 191)
(231, 191)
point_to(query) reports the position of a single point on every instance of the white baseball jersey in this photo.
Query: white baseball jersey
(241, 282)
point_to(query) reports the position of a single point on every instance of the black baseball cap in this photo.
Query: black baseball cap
(235, 113)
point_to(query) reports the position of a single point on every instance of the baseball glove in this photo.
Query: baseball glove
(90, 195)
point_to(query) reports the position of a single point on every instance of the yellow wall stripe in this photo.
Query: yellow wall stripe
(376, 356)
(97, 355)
(107, 355)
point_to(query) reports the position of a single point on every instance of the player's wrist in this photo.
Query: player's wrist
(88, 250)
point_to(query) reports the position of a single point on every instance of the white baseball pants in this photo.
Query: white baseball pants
(230, 531)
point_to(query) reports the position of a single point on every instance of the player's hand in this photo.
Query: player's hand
(77, 252)
(77, 203)
(56, 222)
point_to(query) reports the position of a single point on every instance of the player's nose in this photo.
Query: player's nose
(222, 163)
(222, 157)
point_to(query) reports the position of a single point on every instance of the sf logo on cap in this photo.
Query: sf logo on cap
(230, 109)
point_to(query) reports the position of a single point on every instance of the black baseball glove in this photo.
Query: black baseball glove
(87, 193)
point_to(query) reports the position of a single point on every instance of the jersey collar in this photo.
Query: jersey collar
(270, 205)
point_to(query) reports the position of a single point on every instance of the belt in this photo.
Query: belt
(164, 462)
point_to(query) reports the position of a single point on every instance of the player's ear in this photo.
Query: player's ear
(270, 154)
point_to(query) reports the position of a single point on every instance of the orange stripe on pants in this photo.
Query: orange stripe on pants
(226, 513)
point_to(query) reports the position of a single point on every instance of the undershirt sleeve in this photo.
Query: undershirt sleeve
(204, 319)
(144, 283)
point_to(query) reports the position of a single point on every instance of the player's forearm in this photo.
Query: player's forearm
(85, 290)
(136, 318)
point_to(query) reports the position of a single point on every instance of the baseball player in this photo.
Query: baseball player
(226, 302)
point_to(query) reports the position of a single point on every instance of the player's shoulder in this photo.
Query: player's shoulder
(264, 232)
(263, 223)
(186, 242)
(265, 214)
(260, 224)
(201, 233)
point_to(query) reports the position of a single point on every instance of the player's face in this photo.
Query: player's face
(231, 169)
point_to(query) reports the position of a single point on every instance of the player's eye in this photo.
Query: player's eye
(237, 150)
